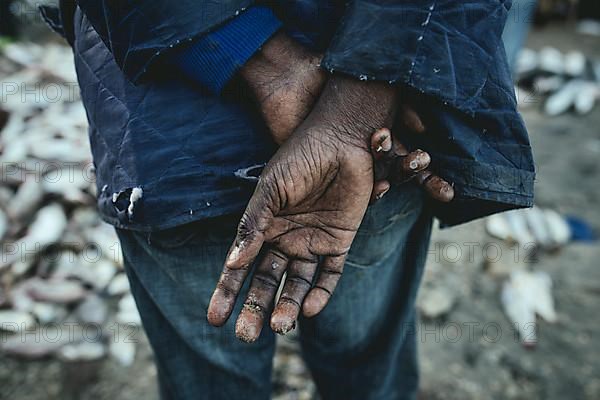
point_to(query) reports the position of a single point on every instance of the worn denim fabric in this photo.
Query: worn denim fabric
(362, 346)
(189, 149)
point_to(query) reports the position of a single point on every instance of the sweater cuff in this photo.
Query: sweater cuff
(214, 59)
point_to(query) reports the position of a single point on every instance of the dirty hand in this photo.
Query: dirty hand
(394, 164)
(286, 80)
(306, 209)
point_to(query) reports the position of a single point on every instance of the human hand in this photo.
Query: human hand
(394, 164)
(286, 80)
(306, 209)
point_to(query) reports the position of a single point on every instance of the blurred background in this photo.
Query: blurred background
(508, 304)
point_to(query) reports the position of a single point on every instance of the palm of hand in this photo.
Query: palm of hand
(306, 209)
(315, 197)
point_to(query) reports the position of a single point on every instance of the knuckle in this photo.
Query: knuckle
(331, 271)
(325, 290)
(226, 289)
(266, 280)
(290, 300)
(300, 281)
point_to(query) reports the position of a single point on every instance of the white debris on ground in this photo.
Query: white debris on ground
(509, 254)
(63, 293)
(534, 226)
(564, 81)
(513, 254)
(60, 266)
(476, 290)
(525, 295)
(436, 300)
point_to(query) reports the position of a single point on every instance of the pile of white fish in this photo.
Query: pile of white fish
(525, 295)
(531, 228)
(562, 81)
(63, 291)
(527, 292)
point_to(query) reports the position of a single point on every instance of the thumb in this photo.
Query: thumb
(410, 119)
(250, 236)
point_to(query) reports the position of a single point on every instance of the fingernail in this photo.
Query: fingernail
(386, 143)
(423, 157)
(315, 302)
(381, 141)
(218, 310)
(249, 324)
(380, 195)
(283, 319)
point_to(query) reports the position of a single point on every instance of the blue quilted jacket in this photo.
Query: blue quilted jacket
(193, 153)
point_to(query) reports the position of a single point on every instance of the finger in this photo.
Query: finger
(437, 188)
(250, 232)
(297, 284)
(261, 296)
(223, 299)
(380, 188)
(399, 149)
(329, 275)
(385, 161)
(410, 119)
(407, 167)
(245, 248)
(381, 142)
(414, 162)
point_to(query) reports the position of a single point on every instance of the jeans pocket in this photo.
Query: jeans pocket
(386, 226)
(213, 230)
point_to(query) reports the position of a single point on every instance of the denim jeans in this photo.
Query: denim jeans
(519, 20)
(361, 346)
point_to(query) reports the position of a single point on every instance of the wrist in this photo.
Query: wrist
(352, 109)
(281, 59)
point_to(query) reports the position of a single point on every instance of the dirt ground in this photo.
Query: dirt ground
(565, 363)
(470, 353)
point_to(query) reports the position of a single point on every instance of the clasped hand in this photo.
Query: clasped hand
(313, 194)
